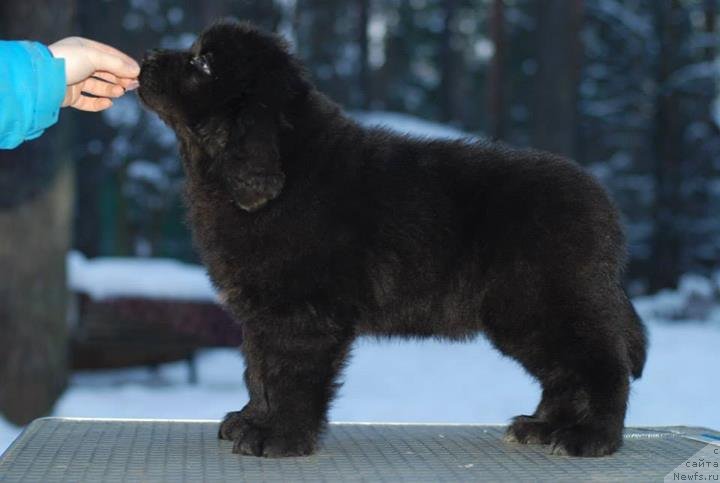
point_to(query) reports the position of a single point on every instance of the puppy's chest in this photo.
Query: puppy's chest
(231, 241)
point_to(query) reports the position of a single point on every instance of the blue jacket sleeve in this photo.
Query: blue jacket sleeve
(32, 88)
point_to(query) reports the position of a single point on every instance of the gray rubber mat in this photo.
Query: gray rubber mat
(57, 449)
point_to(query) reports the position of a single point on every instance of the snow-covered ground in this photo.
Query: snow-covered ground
(422, 381)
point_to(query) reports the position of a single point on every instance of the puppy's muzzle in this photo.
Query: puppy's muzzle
(152, 63)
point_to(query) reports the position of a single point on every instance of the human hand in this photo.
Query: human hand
(96, 69)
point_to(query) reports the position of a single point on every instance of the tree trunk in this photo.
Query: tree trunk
(496, 76)
(35, 218)
(667, 141)
(558, 71)
(447, 62)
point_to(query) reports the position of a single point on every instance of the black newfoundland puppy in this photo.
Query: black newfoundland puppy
(317, 230)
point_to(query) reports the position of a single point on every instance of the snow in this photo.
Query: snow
(484, 49)
(410, 381)
(404, 123)
(377, 32)
(689, 73)
(694, 300)
(156, 278)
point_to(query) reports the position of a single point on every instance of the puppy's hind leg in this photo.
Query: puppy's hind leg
(575, 346)
(291, 379)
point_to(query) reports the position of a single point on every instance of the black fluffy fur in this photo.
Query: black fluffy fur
(317, 230)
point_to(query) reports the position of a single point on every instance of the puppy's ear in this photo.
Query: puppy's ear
(251, 161)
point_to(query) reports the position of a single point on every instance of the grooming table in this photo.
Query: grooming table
(59, 449)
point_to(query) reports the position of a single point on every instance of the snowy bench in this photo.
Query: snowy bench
(133, 311)
(57, 449)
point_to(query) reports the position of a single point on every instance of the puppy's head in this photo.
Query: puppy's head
(225, 96)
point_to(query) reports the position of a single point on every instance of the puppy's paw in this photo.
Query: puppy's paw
(252, 439)
(234, 424)
(528, 430)
(585, 440)
(271, 444)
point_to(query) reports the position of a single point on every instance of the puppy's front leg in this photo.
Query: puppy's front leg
(291, 379)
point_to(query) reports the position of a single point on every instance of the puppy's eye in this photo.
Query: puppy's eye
(202, 63)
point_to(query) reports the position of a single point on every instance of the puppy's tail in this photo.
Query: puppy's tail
(636, 337)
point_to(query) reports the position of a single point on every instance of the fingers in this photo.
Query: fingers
(106, 76)
(101, 88)
(127, 84)
(79, 95)
(92, 104)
